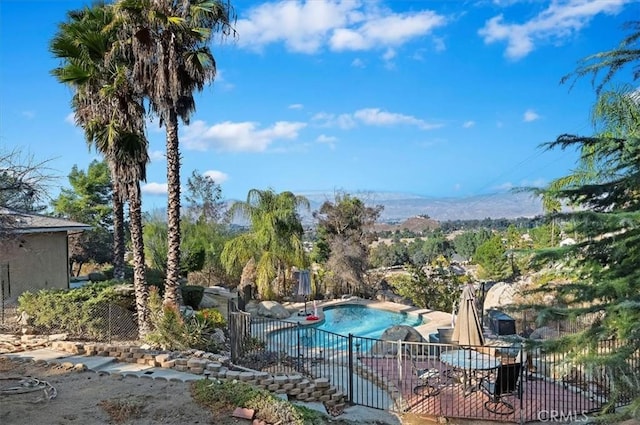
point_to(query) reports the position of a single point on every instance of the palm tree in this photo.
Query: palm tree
(274, 242)
(80, 45)
(167, 41)
(112, 117)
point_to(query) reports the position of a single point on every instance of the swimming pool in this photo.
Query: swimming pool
(365, 323)
(360, 320)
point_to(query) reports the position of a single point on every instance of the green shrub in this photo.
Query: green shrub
(172, 331)
(192, 295)
(274, 410)
(156, 278)
(224, 396)
(212, 317)
(97, 277)
(81, 311)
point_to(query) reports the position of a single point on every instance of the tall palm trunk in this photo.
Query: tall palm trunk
(171, 295)
(118, 237)
(137, 245)
(118, 223)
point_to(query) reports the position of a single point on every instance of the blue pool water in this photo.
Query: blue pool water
(365, 324)
(363, 321)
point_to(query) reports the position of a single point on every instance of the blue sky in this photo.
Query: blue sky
(434, 98)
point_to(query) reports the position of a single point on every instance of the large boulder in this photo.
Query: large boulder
(393, 335)
(544, 333)
(500, 295)
(389, 295)
(272, 309)
(208, 301)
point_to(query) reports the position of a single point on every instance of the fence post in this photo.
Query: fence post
(109, 326)
(523, 373)
(299, 358)
(399, 359)
(350, 389)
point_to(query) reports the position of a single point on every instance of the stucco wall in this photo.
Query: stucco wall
(37, 261)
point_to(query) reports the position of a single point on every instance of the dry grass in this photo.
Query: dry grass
(121, 411)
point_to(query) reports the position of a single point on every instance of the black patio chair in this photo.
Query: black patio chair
(429, 378)
(506, 384)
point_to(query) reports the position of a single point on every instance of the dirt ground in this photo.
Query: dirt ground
(88, 398)
(81, 394)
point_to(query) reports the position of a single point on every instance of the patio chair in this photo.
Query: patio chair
(505, 384)
(428, 378)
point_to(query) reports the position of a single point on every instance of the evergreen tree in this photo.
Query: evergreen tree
(605, 277)
(88, 201)
(493, 257)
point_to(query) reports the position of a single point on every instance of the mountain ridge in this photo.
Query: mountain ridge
(399, 208)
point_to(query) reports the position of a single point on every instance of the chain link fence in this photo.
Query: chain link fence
(103, 322)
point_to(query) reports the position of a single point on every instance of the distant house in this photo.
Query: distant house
(34, 252)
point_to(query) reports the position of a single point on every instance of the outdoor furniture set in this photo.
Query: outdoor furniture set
(471, 371)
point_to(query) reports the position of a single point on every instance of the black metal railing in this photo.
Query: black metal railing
(440, 380)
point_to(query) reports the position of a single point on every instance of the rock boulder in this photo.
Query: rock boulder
(394, 334)
(272, 309)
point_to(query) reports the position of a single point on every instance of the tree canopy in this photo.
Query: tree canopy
(88, 201)
(274, 242)
(345, 227)
(604, 275)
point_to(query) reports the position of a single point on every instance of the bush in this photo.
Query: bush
(172, 331)
(97, 277)
(224, 396)
(212, 317)
(80, 311)
(192, 295)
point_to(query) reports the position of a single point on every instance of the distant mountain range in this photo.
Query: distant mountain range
(401, 206)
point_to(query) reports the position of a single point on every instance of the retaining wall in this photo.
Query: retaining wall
(213, 365)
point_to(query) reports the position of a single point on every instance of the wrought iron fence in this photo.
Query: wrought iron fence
(430, 378)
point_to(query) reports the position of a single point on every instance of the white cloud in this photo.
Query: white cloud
(157, 155)
(385, 30)
(296, 106)
(28, 114)
(217, 176)
(155, 188)
(389, 54)
(530, 115)
(371, 117)
(358, 63)
(70, 119)
(343, 121)
(468, 124)
(302, 26)
(439, 45)
(222, 82)
(328, 140)
(376, 117)
(237, 136)
(309, 26)
(561, 19)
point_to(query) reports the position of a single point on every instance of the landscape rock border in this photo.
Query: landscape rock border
(214, 366)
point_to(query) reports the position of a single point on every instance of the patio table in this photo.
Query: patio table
(472, 364)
